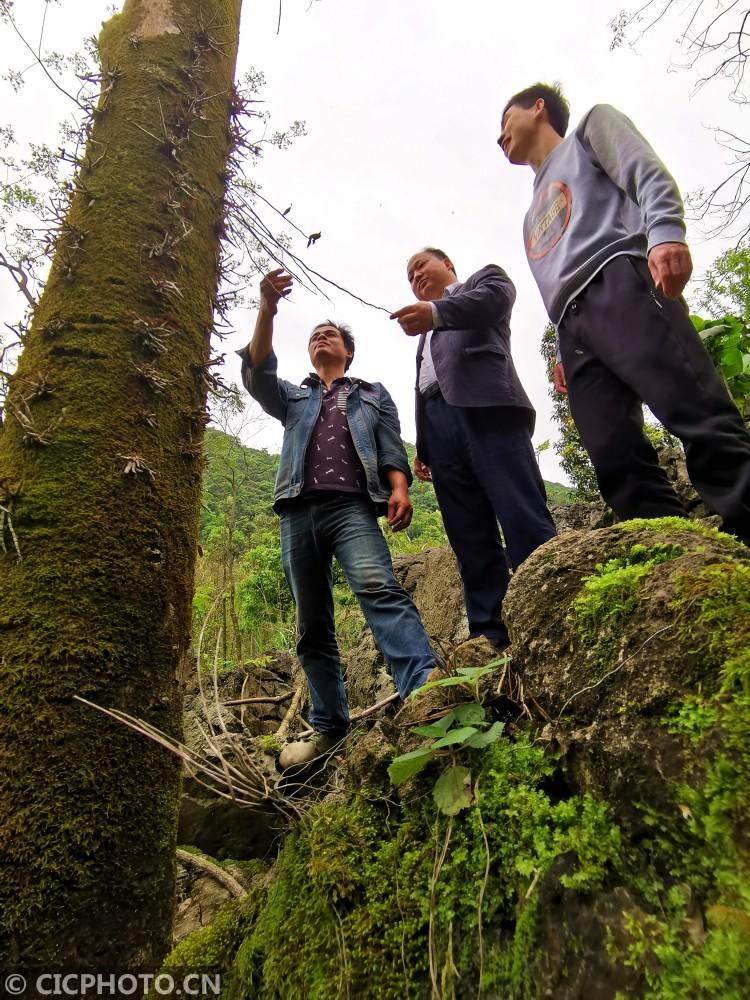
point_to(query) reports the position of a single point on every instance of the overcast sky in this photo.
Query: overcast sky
(402, 100)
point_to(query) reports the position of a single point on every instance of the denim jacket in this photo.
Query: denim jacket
(370, 411)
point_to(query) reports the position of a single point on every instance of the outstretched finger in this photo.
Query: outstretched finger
(400, 313)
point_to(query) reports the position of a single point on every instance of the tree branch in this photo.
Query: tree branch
(20, 277)
(206, 867)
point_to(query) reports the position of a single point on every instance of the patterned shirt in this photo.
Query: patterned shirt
(331, 460)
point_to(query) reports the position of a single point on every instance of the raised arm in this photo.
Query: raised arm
(274, 286)
(258, 359)
(492, 296)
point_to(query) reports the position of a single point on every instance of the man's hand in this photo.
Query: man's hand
(422, 471)
(399, 509)
(670, 267)
(558, 379)
(415, 319)
(274, 286)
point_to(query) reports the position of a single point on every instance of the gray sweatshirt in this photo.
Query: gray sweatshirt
(602, 192)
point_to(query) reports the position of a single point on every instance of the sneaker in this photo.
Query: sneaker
(305, 750)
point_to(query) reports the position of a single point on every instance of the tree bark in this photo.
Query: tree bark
(100, 472)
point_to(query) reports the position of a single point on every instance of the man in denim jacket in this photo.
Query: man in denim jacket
(342, 465)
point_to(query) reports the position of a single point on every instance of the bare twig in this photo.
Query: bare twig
(259, 701)
(440, 856)
(533, 884)
(482, 889)
(310, 270)
(341, 942)
(40, 61)
(247, 789)
(364, 713)
(611, 673)
(31, 433)
(5, 521)
(299, 696)
(207, 867)
(20, 277)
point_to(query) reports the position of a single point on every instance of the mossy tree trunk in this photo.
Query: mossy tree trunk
(100, 471)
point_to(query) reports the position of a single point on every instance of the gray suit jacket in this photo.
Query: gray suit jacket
(471, 351)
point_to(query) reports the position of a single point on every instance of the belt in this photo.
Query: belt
(433, 389)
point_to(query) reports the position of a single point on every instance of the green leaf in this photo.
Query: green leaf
(731, 361)
(455, 736)
(474, 673)
(525, 866)
(407, 764)
(452, 791)
(435, 728)
(482, 740)
(441, 683)
(470, 715)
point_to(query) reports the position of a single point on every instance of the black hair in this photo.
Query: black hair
(555, 104)
(346, 335)
(440, 254)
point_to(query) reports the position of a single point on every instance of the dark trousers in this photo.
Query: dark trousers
(484, 470)
(623, 343)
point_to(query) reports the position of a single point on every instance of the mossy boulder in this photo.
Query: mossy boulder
(616, 621)
(604, 851)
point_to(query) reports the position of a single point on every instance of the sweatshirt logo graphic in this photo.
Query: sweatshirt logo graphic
(550, 215)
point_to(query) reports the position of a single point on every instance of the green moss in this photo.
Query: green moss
(355, 902)
(677, 524)
(702, 847)
(352, 907)
(270, 743)
(610, 595)
(715, 606)
(715, 603)
(718, 969)
(211, 949)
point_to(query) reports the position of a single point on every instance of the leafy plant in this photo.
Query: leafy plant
(569, 447)
(465, 726)
(727, 341)
(259, 662)
(466, 677)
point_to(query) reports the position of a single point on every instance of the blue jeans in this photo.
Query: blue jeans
(313, 531)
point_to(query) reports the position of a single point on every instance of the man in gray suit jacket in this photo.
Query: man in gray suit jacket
(474, 427)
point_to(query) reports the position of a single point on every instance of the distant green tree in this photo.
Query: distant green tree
(237, 496)
(266, 609)
(726, 288)
(726, 335)
(727, 340)
(573, 456)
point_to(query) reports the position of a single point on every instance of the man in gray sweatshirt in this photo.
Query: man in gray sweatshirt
(605, 240)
